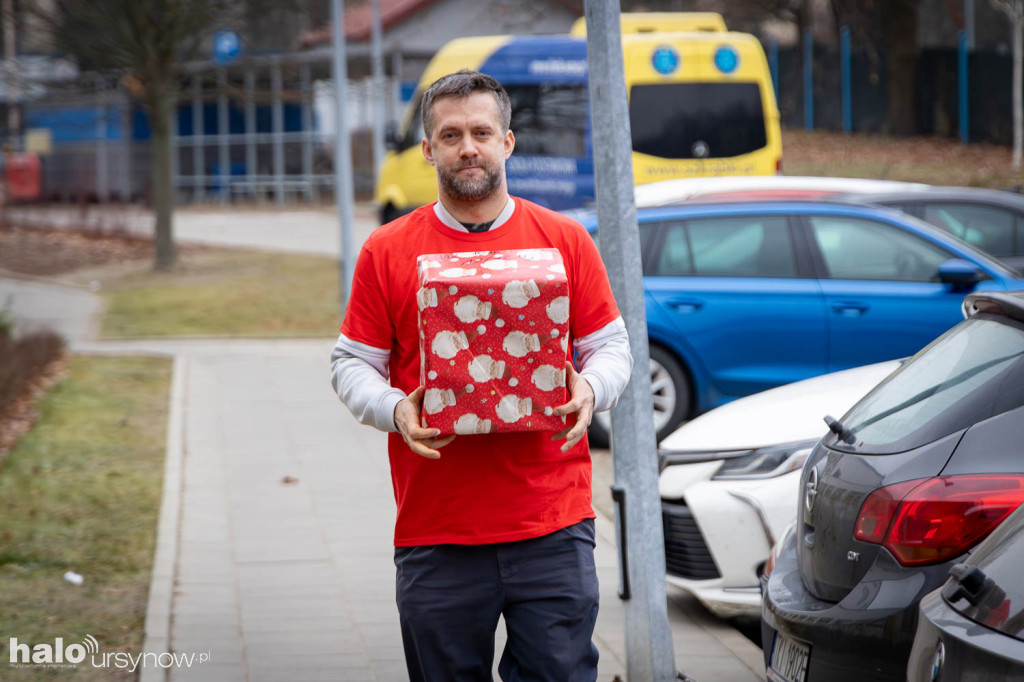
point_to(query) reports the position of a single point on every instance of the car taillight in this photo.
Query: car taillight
(778, 166)
(931, 520)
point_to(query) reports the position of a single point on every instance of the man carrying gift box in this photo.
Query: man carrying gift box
(501, 523)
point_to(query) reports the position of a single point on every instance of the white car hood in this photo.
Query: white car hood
(786, 414)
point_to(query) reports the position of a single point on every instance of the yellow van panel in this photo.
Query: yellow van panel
(660, 22)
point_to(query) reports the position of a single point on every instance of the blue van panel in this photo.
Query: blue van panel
(539, 59)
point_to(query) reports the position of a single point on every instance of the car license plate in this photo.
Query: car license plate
(789, 660)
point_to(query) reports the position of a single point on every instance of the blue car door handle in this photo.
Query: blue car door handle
(849, 309)
(684, 305)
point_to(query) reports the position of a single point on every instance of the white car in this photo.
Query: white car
(670, 192)
(729, 483)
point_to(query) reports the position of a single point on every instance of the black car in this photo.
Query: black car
(917, 473)
(987, 219)
(973, 628)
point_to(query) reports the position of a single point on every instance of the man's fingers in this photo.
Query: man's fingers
(420, 449)
(562, 434)
(437, 443)
(573, 438)
(419, 433)
(570, 407)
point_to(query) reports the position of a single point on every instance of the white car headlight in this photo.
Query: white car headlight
(766, 462)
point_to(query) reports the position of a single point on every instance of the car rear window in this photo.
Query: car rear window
(697, 120)
(971, 373)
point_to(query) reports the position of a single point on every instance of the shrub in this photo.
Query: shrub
(23, 359)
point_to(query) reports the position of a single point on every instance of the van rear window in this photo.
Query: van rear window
(697, 120)
(549, 119)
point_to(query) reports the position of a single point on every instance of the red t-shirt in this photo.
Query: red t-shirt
(491, 487)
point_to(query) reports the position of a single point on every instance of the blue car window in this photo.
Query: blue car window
(858, 249)
(674, 258)
(742, 246)
(989, 229)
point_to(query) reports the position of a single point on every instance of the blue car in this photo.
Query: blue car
(745, 296)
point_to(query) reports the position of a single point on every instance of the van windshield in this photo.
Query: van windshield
(697, 120)
(549, 119)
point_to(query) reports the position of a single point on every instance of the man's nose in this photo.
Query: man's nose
(468, 148)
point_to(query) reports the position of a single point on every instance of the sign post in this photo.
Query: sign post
(649, 654)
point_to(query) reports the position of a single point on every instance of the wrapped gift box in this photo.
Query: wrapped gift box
(494, 337)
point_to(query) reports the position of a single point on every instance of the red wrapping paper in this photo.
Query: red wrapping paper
(494, 337)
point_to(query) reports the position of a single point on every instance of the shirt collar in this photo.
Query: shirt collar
(448, 219)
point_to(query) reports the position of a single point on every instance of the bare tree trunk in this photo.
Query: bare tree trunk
(1018, 99)
(160, 115)
(900, 32)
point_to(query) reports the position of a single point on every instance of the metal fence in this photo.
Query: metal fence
(958, 93)
(260, 131)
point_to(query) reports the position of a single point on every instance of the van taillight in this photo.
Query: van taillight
(778, 166)
(931, 520)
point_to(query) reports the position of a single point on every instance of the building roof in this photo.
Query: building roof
(358, 20)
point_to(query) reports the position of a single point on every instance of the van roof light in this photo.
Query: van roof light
(727, 59)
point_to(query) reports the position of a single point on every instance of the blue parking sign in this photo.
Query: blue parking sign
(226, 46)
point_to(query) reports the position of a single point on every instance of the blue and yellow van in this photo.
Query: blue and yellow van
(701, 104)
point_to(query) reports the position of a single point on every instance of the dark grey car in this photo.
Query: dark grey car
(987, 219)
(915, 475)
(973, 628)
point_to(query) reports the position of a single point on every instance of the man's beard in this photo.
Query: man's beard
(469, 189)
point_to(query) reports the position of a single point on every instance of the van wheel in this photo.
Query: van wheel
(670, 393)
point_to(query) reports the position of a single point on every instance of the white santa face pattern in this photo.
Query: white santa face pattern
(471, 309)
(518, 344)
(518, 293)
(426, 298)
(436, 399)
(500, 264)
(447, 344)
(558, 310)
(548, 378)
(485, 368)
(469, 424)
(512, 408)
(458, 272)
(535, 254)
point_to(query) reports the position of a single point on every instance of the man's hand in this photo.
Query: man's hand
(407, 419)
(581, 401)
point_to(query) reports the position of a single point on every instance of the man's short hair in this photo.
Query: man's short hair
(463, 84)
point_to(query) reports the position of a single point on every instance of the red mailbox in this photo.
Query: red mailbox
(24, 176)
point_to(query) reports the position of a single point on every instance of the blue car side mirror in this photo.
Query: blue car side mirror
(960, 274)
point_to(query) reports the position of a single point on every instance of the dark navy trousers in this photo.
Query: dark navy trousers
(450, 598)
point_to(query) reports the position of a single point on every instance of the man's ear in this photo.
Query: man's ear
(428, 153)
(510, 143)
